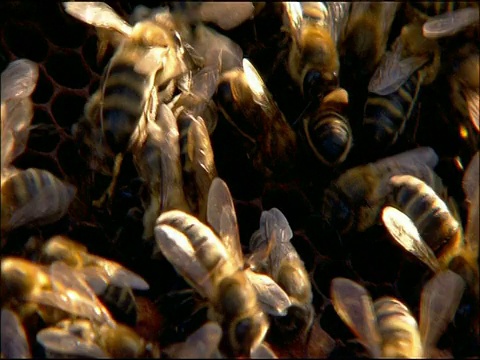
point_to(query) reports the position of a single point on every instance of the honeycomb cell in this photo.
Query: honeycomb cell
(68, 158)
(26, 41)
(67, 108)
(63, 30)
(44, 135)
(34, 159)
(67, 69)
(44, 90)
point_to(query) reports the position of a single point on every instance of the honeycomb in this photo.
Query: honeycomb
(65, 50)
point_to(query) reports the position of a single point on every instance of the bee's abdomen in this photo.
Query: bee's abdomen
(124, 100)
(385, 116)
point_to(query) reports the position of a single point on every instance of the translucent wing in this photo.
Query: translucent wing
(13, 338)
(294, 17)
(354, 306)
(172, 192)
(404, 232)
(97, 280)
(217, 50)
(256, 84)
(388, 11)
(271, 296)
(471, 187)
(450, 23)
(420, 156)
(338, 13)
(98, 14)
(262, 351)
(439, 301)
(178, 250)
(201, 344)
(393, 71)
(472, 97)
(60, 341)
(18, 80)
(227, 15)
(222, 218)
(204, 84)
(117, 274)
(72, 294)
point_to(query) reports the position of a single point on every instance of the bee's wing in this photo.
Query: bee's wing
(405, 233)
(272, 298)
(97, 280)
(18, 80)
(204, 167)
(60, 341)
(338, 13)
(172, 188)
(354, 306)
(98, 14)
(13, 338)
(471, 188)
(388, 11)
(227, 15)
(450, 23)
(393, 71)
(178, 250)
(422, 156)
(72, 294)
(40, 208)
(294, 18)
(472, 97)
(439, 301)
(201, 344)
(117, 274)
(204, 84)
(262, 351)
(257, 86)
(222, 218)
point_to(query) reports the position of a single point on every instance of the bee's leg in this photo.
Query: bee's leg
(150, 216)
(108, 194)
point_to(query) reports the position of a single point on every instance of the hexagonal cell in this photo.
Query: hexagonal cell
(44, 135)
(63, 30)
(67, 69)
(25, 41)
(44, 89)
(34, 159)
(67, 108)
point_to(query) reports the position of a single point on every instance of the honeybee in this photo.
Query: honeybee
(386, 327)
(451, 22)
(354, 200)
(427, 229)
(19, 80)
(108, 279)
(148, 56)
(246, 104)
(366, 34)
(33, 196)
(327, 130)
(53, 292)
(84, 338)
(13, 337)
(315, 28)
(395, 86)
(273, 253)
(215, 269)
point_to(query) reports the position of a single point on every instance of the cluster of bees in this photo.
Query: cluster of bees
(194, 116)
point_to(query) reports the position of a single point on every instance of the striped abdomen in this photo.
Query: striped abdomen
(34, 196)
(385, 116)
(124, 99)
(433, 219)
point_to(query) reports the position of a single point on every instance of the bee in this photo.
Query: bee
(215, 268)
(246, 104)
(273, 253)
(364, 41)
(109, 280)
(84, 338)
(327, 130)
(33, 197)
(395, 86)
(426, 228)
(19, 80)
(354, 200)
(315, 28)
(451, 22)
(386, 327)
(53, 292)
(13, 337)
(148, 56)
(424, 11)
